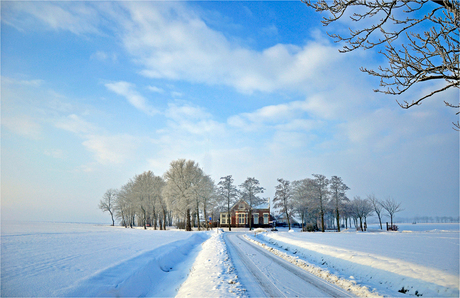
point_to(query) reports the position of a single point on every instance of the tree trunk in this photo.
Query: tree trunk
(154, 219)
(229, 219)
(164, 219)
(250, 219)
(205, 217)
(198, 216)
(338, 219)
(287, 218)
(188, 225)
(303, 220)
(111, 214)
(144, 220)
(322, 220)
(170, 218)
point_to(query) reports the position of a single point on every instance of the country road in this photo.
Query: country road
(266, 275)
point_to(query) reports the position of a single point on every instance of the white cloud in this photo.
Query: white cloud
(171, 41)
(270, 30)
(114, 149)
(128, 91)
(75, 124)
(55, 153)
(23, 125)
(155, 89)
(77, 18)
(30, 83)
(189, 119)
(176, 94)
(103, 56)
(287, 116)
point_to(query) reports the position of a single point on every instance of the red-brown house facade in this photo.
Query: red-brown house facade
(239, 215)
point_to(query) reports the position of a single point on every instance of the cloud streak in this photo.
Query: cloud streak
(128, 91)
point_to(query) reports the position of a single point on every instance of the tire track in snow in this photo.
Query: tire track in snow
(275, 276)
(156, 273)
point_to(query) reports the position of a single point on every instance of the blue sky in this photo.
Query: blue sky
(96, 92)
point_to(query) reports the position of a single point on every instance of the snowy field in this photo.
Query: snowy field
(58, 259)
(422, 258)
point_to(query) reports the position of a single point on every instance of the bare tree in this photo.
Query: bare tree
(377, 207)
(228, 192)
(107, 203)
(430, 29)
(321, 193)
(283, 199)
(337, 190)
(249, 190)
(391, 207)
(361, 208)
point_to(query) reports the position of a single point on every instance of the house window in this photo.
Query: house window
(256, 218)
(241, 218)
(224, 218)
(266, 218)
(241, 206)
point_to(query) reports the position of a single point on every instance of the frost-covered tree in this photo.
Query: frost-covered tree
(321, 194)
(203, 191)
(391, 207)
(179, 191)
(228, 193)
(337, 191)
(418, 38)
(249, 191)
(302, 196)
(142, 190)
(283, 199)
(125, 207)
(362, 208)
(148, 191)
(107, 203)
(377, 207)
(208, 193)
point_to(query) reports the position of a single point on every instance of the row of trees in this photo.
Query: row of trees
(184, 195)
(311, 198)
(320, 200)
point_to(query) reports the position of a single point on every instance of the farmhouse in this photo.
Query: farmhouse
(239, 216)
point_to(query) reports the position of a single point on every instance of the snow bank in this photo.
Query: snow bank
(212, 273)
(385, 273)
(59, 259)
(259, 230)
(152, 274)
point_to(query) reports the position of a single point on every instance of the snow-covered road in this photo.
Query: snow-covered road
(266, 275)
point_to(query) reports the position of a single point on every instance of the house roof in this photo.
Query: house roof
(282, 217)
(261, 206)
(238, 202)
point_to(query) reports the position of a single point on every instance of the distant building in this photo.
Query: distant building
(281, 221)
(239, 214)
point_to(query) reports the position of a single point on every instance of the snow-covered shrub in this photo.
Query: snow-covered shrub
(309, 227)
